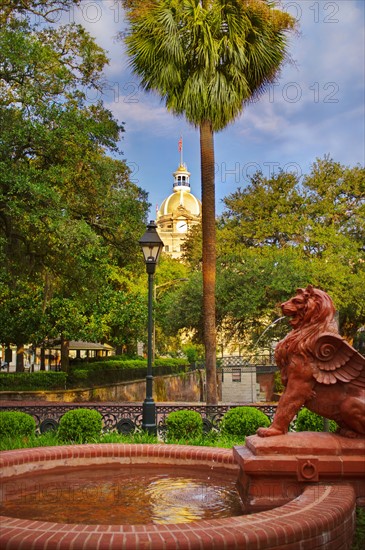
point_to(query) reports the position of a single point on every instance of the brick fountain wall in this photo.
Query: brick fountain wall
(321, 517)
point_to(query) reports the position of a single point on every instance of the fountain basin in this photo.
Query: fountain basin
(321, 517)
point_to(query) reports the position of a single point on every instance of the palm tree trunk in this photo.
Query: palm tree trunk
(209, 257)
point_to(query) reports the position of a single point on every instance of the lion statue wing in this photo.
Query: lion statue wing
(337, 361)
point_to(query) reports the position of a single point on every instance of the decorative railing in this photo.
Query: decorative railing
(247, 361)
(127, 417)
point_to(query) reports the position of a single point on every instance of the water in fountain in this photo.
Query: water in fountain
(122, 495)
(267, 328)
(262, 335)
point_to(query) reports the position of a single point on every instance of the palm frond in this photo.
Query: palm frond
(207, 62)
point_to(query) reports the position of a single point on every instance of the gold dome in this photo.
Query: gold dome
(180, 198)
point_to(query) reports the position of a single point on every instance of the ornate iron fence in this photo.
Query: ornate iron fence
(127, 417)
(247, 361)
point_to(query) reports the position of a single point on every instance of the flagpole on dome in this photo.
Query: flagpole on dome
(180, 147)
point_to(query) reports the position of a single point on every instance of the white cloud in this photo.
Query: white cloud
(143, 116)
(296, 121)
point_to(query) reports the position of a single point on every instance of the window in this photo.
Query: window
(236, 374)
(167, 248)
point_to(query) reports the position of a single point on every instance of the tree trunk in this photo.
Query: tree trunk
(209, 257)
(65, 348)
(43, 358)
(19, 358)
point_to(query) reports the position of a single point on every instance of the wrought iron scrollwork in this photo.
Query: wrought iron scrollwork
(126, 426)
(47, 425)
(127, 417)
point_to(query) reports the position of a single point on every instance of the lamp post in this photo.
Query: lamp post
(151, 245)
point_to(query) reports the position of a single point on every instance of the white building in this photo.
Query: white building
(178, 213)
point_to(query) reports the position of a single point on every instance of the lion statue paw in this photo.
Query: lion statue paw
(268, 432)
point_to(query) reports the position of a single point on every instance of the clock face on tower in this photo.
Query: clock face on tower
(181, 226)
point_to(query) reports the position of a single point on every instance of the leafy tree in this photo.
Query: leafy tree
(276, 235)
(284, 234)
(70, 217)
(172, 274)
(46, 9)
(268, 212)
(182, 308)
(206, 59)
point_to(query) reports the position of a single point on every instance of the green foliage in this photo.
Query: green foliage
(281, 233)
(184, 425)
(71, 217)
(173, 362)
(80, 426)
(193, 353)
(96, 373)
(119, 369)
(134, 438)
(359, 538)
(308, 421)
(328, 208)
(33, 381)
(278, 385)
(243, 421)
(197, 56)
(16, 424)
(213, 439)
(47, 439)
(184, 310)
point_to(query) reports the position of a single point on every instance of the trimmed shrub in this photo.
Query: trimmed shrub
(80, 426)
(243, 421)
(308, 421)
(16, 424)
(184, 425)
(32, 381)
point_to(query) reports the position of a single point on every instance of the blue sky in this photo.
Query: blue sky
(315, 108)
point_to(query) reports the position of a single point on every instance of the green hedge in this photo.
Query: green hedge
(243, 421)
(32, 381)
(308, 421)
(116, 370)
(184, 425)
(83, 375)
(80, 426)
(16, 424)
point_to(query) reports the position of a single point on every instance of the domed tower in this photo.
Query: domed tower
(178, 213)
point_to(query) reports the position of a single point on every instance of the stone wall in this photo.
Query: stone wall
(178, 387)
(246, 387)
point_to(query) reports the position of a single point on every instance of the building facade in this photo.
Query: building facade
(178, 213)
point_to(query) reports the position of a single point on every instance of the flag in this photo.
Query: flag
(180, 145)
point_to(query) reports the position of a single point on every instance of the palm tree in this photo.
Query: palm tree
(206, 59)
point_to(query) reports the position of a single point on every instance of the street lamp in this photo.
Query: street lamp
(151, 245)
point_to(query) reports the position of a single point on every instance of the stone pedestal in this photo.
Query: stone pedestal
(274, 470)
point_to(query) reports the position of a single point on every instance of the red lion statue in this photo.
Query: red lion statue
(318, 368)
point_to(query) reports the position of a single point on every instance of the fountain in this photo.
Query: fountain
(328, 509)
(299, 489)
